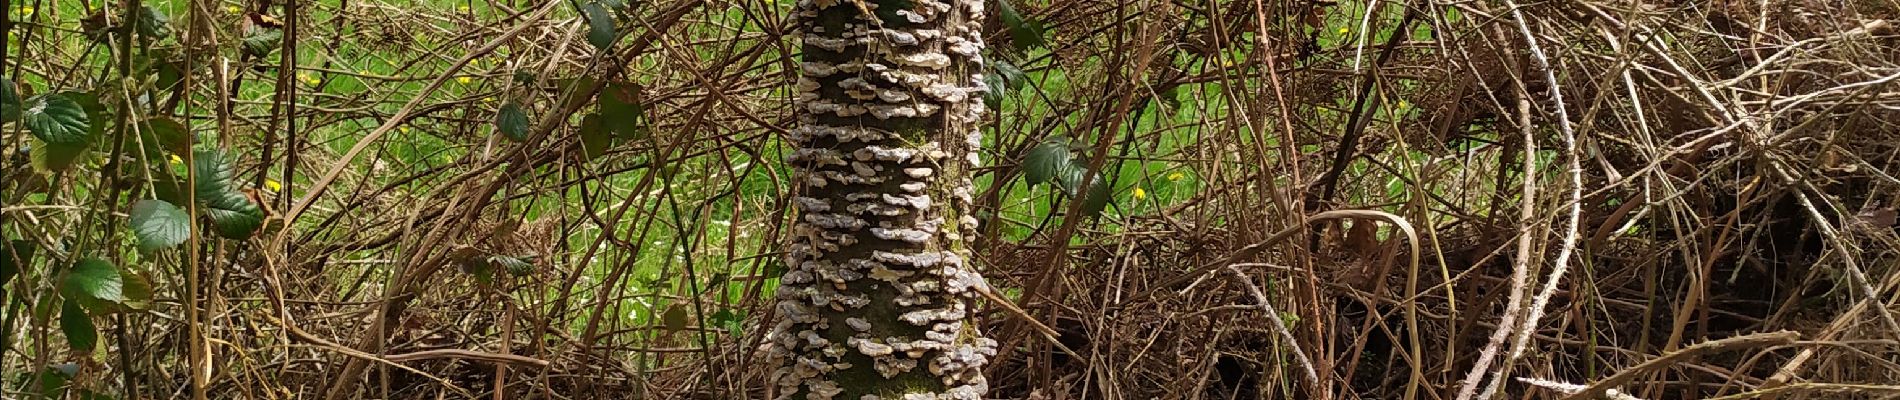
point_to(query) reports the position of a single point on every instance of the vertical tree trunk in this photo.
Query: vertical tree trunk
(875, 305)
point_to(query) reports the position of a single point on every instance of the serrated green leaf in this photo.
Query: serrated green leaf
(595, 139)
(1024, 33)
(512, 121)
(515, 266)
(159, 225)
(1046, 159)
(1013, 77)
(9, 100)
(56, 119)
(233, 215)
(94, 279)
(80, 333)
(15, 257)
(260, 41)
(600, 25)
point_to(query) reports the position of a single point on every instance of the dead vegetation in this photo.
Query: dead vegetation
(1673, 200)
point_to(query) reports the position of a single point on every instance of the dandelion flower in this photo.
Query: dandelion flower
(273, 185)
(1176, 176)
(1344, 30)
(463, 80)
(1140, 194)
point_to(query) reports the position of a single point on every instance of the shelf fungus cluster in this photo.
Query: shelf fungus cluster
(875, 304)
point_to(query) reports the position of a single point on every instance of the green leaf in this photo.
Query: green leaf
(54, 378)
(15, 257)
(512, 121)
(516, 266)
(260, 41)
(168, 134)
(1094, 197)
(622, 110)
(9, 100)
(575, 90)
(169, 187)
(138, 293)
(1046, 159)
(600, 26)
(674, 319)
(471, 261)
(56, 119)
(233, 215)
(1013, 77)
(154, 24)
(1024, 33)
(60, 157)
(1003, 79)
(733, 322)
(51, 157)
(159, 225)
(993, 91)
(80, 333)
(1097, 197)
(167, 69)
(94, 279)
(595, 139)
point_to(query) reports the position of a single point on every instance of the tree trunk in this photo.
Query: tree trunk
(876, 302)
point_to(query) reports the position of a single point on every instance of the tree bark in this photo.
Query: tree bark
(876, 303)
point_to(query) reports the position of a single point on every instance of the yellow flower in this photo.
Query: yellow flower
(403, 129)
(1176, 176)
(26, 11)
(488, 99)
(234, 9)
(1343, 30)
(1140, 194)
(463, 80)
(273, 185)
(176, 160)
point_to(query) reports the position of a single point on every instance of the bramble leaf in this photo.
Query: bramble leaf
(159, 225)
